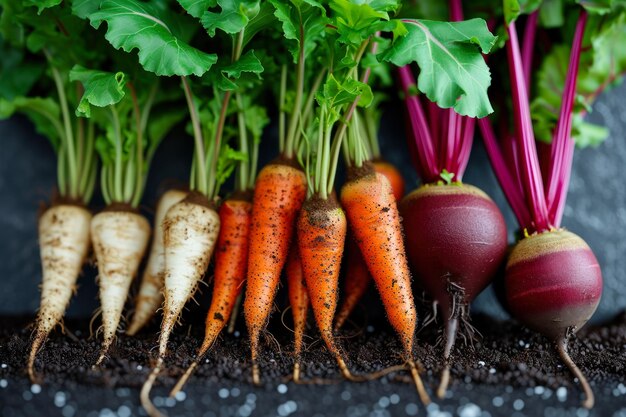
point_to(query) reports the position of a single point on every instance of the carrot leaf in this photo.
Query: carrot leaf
(233, 17)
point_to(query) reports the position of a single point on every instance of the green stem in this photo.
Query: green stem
(335, 152)
(201, 177)
(293, 121)
(136, 194)
(129, 181)
(372, 133)
(118, 190)
(243, 175)
(61, 168)
(308, 107)
(219, 131)
(69, 134)
(104, 184)
(281, 108)
(91, 184)
(324, 175)
(348, 114)
(88, 159)
(320, 151)
(147, 107)
(254, 158)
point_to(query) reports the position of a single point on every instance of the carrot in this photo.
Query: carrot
(357, 276)
(230, 271)
(279, 192)
(357, 280)
(120, 238)
(299, 302)
(64, 241)
(373, 215)
(150, 296)
(322, 228)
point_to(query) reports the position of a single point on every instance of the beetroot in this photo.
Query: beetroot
(553, 282)
(553, 285)
(456, 240)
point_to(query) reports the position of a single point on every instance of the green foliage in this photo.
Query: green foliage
(138, 25)
(453, 72)
(101, 88)
(233, 16)
(303, 22)
(601, 65)
(44, 113)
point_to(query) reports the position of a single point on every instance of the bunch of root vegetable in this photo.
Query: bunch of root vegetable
(212, 65)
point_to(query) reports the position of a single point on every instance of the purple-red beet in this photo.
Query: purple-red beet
(553, 285)
(456, 240)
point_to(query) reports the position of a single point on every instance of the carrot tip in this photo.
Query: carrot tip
(37, 343)
(419, 385)
(183, 380)
(256, 374)
(296, 372)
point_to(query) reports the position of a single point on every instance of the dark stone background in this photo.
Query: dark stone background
(596, 207)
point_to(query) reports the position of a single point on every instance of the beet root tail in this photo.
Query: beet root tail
(452, 327)
(589, 400)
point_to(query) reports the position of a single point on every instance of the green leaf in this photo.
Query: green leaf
(247, 63)
(447, 176)
(512, 10)
(227, 162)
(17, 75)
(42, 4)
(84, 8)
(101, 88)
(137, 25)
(357, 21)
(551, 14)
(196, 8)
(44, 113)
(453, 72)
(308, 15)
(334, 95)
(256, 120)
(234, 16)
(602, 7)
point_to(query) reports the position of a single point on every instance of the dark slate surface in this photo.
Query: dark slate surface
(596, 206)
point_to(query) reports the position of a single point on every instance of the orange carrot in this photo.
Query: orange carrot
(279, 192)
(231, 254)
(356, 282)
(299, 301)
(357, 276)
(322, 228)
(371, 209)
(393, 175)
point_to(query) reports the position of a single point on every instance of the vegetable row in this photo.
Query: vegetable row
(107, 81)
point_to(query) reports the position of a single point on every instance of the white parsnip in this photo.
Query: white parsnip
(64, 242)
(120, 239)
(190, 231)
(150, 295)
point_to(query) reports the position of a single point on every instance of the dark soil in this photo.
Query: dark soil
(510, 371)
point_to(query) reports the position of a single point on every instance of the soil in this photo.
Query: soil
(510, 371)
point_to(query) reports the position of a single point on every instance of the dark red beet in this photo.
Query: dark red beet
(455, 234)
(553, 285)
(456, 240)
